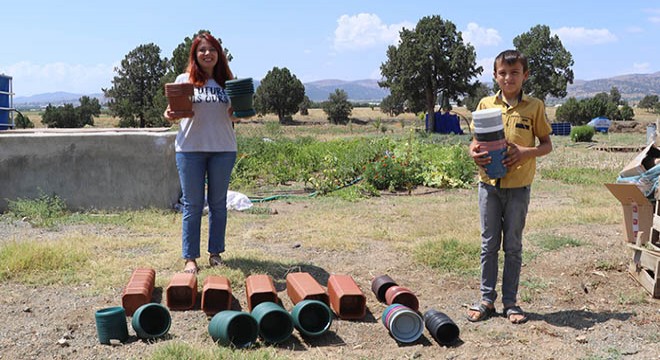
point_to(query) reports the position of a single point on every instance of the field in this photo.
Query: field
(581, 301)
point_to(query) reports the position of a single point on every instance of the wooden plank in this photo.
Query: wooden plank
(643, 276)
(645, 268)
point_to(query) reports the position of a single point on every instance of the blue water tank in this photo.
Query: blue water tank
(5, 102)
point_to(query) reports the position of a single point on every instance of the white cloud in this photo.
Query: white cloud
(641, 68)
(487, 65)
(580, 35)
(364, 31)
(29, 79)
(655, 15)
(479, 36)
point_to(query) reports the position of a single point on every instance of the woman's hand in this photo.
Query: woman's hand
(170, 115)
(230, 112)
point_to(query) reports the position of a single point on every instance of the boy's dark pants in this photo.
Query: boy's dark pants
(503, 213)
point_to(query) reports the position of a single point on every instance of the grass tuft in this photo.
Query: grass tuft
(449, 255)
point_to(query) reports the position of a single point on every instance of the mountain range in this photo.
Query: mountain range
(632, 87)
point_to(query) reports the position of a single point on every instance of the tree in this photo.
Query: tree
(627, 113)
(22, 122)
(648, 102)
(89, 107)
(338, 108)
(571, 111)
(549, 63)
(279, 92)
(60, 116)
(135, 87)
(615, 96)
(429, 60)
(68, 116)
(304, 106)
(471, 101)
(392, 104)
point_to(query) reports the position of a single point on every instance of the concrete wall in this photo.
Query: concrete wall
(90, 168)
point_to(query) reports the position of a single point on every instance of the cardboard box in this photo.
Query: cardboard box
(637, 212)
(642, 162)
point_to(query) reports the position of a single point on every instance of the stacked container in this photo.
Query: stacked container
(138, 290)
(489, 134)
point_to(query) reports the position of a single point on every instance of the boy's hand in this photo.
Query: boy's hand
(513, 155)
(481, 158)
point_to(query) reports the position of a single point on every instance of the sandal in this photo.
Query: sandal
(484, 311)
(191, 267)
(515, 310)
(215, 260)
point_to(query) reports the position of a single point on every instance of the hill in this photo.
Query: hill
(633, 87)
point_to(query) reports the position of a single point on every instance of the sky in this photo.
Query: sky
(75, 46)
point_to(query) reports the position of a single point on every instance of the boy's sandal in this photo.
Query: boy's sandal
(515, 310)
(215, 260)
(191, 269)
(484, 311)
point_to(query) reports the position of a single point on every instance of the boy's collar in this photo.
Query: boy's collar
(521, 96)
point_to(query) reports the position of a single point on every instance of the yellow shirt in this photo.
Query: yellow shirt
(523, 123)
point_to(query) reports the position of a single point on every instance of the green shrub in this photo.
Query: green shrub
(44, 211)
(582, 133)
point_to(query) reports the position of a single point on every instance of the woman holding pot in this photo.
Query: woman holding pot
(205, 149)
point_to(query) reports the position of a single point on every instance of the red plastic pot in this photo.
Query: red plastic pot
(400, 295)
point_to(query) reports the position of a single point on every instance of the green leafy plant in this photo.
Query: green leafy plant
(584, 133)
(44, 211)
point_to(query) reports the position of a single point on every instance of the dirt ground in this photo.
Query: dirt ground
(584, 313)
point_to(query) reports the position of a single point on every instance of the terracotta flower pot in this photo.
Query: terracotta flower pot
(179, 97)
(216, 294)
(181, 293)
(302, 286)
(258, 289)
(138, 290)
(346, 298)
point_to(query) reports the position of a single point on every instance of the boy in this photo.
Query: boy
(503, 202)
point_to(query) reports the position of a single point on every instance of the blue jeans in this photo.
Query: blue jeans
(194, 169)
(503, 213)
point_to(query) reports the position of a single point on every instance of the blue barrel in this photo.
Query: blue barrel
(5, 106)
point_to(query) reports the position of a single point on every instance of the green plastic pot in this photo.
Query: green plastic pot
(151, 321)
(242, 102)
(312, 317)
(235, 328)
(111, 324)
(275, 324)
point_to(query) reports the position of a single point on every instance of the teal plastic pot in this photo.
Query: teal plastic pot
(242, 102)
(312, 317)
(275, 324)
(111, 324)
(235, 328)
(151, 321)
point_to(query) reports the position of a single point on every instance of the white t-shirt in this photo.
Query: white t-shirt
(210, 129)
